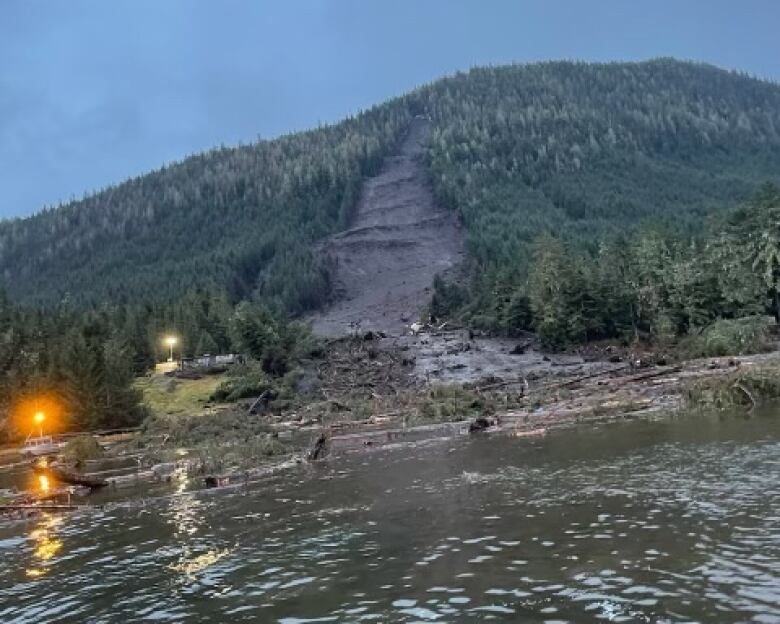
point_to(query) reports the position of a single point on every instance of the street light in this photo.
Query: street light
(171, 342)
(39, 417)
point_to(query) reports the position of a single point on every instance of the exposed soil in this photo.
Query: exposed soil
(452, 356)
(400, 239)
(563, 398)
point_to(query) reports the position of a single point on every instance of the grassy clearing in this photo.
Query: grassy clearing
(740, 389)
(741, 336)
(169, 396)
(224, 440)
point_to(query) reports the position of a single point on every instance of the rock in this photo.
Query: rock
(480, 424)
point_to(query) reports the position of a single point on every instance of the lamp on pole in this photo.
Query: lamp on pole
(39, 417)
(171, 341)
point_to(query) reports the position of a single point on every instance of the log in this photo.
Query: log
(71, 478)
(570, 382)
(656, 373)
(501, 384)
(130, 480)
(29, 507)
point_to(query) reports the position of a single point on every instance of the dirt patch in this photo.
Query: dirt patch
(461, 357)
(558, 399)
(400, 239)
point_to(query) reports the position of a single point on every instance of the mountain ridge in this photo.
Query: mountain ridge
(583, 149)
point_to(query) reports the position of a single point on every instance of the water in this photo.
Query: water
(667, 521)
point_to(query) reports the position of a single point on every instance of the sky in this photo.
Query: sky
(93, 91)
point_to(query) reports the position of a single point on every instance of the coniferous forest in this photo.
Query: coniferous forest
(621, 200)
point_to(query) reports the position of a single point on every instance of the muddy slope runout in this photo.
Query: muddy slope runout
(400, 239)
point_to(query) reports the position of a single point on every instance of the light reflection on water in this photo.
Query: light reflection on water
(46, 544)
(676, 520)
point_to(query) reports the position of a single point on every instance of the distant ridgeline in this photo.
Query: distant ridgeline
(578, 150)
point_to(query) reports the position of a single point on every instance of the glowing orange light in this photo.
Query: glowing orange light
(43, 482)
(39, 413)
(171, 341)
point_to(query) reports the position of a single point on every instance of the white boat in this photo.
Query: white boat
(40, 446)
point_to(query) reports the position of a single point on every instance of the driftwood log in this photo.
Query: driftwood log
(62, 475)
(45, 507)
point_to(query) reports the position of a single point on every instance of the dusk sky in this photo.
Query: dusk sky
(92, 92)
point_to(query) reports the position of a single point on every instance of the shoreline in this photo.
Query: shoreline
(547, 404)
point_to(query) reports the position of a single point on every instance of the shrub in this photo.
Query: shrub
(742, 389)
(82, 448)
(450, 402)
(730, 337)
(243, 381)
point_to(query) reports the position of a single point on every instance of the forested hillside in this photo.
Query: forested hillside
(573, 149)
(622, 201)
(240, 220)
(586, 148)
(587, 152)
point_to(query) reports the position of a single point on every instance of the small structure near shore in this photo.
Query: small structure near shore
(208, 361)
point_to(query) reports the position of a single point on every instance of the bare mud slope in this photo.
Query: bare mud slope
(400, 239)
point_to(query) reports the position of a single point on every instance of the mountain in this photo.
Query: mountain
(238, 219)
(580, 150)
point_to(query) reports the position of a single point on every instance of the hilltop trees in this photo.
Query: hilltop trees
(238, 221)
(588, 152)
(581, 151)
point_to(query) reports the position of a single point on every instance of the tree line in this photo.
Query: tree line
(82, 363)
(655, 284)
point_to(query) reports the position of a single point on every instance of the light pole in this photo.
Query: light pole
(171, 342)
(39, 418)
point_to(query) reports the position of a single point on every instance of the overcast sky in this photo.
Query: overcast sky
(92, 92)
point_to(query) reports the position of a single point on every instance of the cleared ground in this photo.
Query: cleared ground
(400, 239)
(166, 395)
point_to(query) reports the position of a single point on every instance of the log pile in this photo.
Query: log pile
(363, 368)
